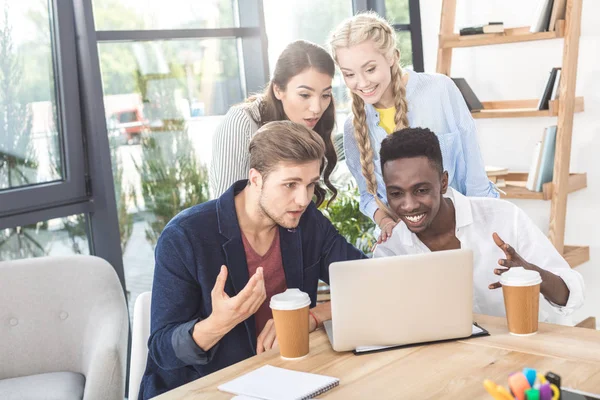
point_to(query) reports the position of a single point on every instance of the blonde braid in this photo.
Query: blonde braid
(387, 42)
(400, 103)
(363, 141)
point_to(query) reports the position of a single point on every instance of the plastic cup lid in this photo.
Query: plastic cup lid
(291, 299)
(519, 276)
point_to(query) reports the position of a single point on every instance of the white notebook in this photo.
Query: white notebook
(272, 383)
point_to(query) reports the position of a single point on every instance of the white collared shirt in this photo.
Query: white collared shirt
(476, 219)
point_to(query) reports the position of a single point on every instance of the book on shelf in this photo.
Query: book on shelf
(534, 167)
(541, 169)
(554, 95)
(471, 99)
(544, 102)
(559, 9)
(546, 169)
(490, 27)
(541, 18)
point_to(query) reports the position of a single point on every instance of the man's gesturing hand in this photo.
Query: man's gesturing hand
(227, 311)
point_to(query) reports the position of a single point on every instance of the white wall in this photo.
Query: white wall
(520, 71)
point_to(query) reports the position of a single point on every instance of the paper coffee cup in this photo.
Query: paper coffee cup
(521, 290)
(290, 314)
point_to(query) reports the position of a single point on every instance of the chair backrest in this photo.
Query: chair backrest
(51, 308)
(139, 342)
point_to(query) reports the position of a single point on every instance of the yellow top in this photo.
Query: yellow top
(386, 119)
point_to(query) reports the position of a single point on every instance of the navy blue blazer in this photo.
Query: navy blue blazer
(189, 255)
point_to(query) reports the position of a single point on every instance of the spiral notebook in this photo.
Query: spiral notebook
(273, 383)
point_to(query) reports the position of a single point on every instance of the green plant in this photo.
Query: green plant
(172, 179)
(346, 217)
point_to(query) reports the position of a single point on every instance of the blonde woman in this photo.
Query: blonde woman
(386, 99)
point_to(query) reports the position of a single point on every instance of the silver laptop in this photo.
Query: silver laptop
(399, 300)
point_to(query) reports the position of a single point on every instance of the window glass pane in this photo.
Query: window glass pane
(397, 12)
(163, 101)
(29, 140)
(158, 14)
(55, 237)
(291, 20)
(403, 40)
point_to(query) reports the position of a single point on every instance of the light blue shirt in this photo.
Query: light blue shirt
(434, 102)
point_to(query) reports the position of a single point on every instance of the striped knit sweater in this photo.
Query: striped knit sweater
(230, 147)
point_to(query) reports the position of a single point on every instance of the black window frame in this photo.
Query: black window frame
(47, 200)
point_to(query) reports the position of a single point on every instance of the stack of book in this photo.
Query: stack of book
(542, 163)
(490, 27)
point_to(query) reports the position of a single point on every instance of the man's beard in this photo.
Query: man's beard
(278, 220)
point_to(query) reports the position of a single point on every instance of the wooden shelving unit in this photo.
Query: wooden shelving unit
(576, 255)
(511, 35)
(563, 181)
(521, 109)
(515, 186)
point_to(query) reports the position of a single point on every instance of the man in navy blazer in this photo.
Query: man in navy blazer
(205, 294)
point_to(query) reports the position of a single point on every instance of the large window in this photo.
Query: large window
(162, 107)
(42, 174)
(30, 141)
(168, 77)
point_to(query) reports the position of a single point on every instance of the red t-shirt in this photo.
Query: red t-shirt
(273, 273)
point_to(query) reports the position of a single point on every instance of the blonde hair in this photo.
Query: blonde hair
(354, 31)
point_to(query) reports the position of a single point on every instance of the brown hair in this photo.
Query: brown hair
(351, 32)
(286, 141)
(296, 58)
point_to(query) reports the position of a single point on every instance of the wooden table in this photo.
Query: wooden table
(453, 370)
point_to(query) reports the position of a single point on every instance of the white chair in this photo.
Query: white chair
(139, 343)
(63, 329)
